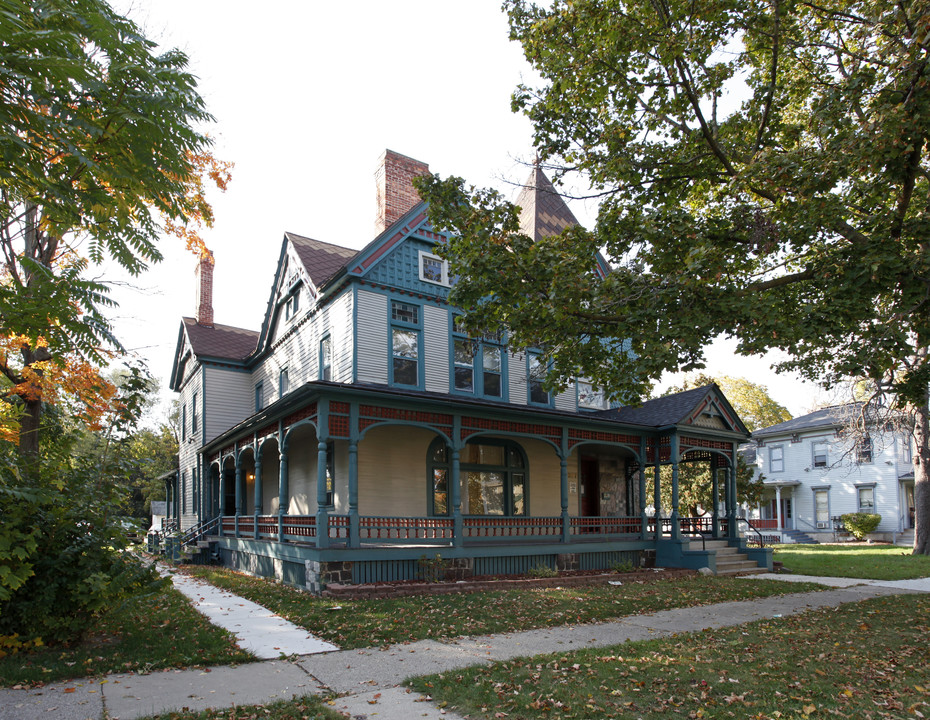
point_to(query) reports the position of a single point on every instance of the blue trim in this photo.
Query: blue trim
(477, 365)
(354, 332)
(529, 395)
(417, 328)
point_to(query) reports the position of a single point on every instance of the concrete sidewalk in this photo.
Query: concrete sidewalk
(370, 678)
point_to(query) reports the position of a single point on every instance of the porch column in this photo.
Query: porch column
(715, 490)
(322, 509)
(455, 493)
(563, 482)
(778, 506)
(353, 494)
(283, 489)
(644, 518)
(676, 530)
(258, 486)
(222, 496)
(169, 508)
(733, 529)
(656, 497)
(240, 491)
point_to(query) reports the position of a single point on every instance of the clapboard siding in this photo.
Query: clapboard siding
(372, 338)
(566, 400)
(436, 348)
(516, 363)
(339, 323)
(229, 400)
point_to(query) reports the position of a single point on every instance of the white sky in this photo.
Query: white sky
(306, 96)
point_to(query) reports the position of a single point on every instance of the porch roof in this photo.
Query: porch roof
(441, 402)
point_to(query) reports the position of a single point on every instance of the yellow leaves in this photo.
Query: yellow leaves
(198, 212)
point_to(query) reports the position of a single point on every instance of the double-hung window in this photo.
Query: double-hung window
(326, 358)
(820, 451)
(193, 414)
(864, 449)
(777, 459)
(865, 494)
(405, 343)
(535, 377)
(822, 507)
(478, 364)
(284, 383)
(259, 397)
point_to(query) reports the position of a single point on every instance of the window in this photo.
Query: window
(326, 358)
(183, 422)
(433, 269)
(478, 365)
(292, 305)
(439, 473)
(864, 449)
(182, 491)
(589, 396)
(822, 507)
(495, 478)
(866, 498)
(906, 457)
(777, 459)
(536, 375)
(193, 413)
(405, 344)
(821, 453)
(284, 383)
(259, 397)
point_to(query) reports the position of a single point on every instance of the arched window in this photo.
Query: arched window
(494, 475)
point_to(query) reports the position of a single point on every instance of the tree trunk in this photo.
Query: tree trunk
(29, 430)
(922, 479)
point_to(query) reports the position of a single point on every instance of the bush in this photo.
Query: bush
(861, 524)
(433, 569)
(542, 571)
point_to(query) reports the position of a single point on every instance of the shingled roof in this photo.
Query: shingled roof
(543, 212)
(322, 260)
(220, 341)
(829, 417)
(663, 411)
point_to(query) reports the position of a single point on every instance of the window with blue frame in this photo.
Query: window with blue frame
(405, 343)
(326, 358)
(193, 413)
(478, 365)
(535, 378)
(259, 397)
(284, 382)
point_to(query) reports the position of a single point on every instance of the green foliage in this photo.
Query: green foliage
(623, 567)
(752, 402)
(542, 571)
(433, 569)
(861, 524)
(881, 562)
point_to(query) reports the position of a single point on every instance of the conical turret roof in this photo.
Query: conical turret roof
(543, 212)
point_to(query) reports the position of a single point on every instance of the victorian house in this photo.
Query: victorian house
(359, 428)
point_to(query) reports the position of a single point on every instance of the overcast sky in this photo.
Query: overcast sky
(306, 97)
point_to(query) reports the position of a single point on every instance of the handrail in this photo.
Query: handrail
(198, 531)
(761, 539)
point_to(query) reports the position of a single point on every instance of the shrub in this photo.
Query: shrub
(433, 569)
(624, 566)
(542, 571)
(861, 524)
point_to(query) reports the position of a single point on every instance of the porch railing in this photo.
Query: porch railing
(441, 530)
(764, 523)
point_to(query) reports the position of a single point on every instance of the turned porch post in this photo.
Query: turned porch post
(283, 489)
(322, 509)
(676, 529)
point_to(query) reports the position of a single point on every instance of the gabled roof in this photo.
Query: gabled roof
(543, 212)
(222, 342)
(678, 409)
(321, 260)
(829, 417)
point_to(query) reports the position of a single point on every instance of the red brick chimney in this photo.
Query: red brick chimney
(395, 189)
(204, 275)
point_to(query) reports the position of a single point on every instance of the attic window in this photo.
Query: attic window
(433, 269)
(292, 305)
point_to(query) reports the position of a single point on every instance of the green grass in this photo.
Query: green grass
(305, 708)
(879, 562)
(375, 623)
(861, 660)
(147, 633)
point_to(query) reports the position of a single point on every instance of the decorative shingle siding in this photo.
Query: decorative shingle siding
(372, 338)
(400, 268)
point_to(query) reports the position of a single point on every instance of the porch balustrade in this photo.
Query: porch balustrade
(765, 524)
(374, 530)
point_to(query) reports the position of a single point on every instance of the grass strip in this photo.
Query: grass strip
(147, 633)
(310, 707)
(854, 560)
(387, 621)
(862, 660)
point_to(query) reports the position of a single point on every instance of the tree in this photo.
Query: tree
(100, 153)
(763, 171)
(752, 402)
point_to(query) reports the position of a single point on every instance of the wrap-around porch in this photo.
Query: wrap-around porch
(363, 477)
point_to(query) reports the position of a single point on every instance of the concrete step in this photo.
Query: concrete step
(753, 569)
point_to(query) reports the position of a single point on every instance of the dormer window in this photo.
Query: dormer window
(292, 305)
(433, 269)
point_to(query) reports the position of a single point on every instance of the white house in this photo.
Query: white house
(360, 428)
(817, 471)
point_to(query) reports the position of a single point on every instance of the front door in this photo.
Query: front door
(590, 487)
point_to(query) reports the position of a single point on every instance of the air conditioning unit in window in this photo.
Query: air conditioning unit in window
(823, 525)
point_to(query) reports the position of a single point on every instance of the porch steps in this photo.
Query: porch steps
(798, 537)
(905, 538)
(730, 561)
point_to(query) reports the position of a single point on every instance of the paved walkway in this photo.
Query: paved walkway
(369, 679)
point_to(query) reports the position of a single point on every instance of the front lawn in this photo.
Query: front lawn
(854, 560)
(305, 708)
(147, 633)
(861, 660)
(386, 621)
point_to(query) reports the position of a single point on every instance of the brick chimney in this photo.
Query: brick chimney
(395, 189)
(204, 300)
